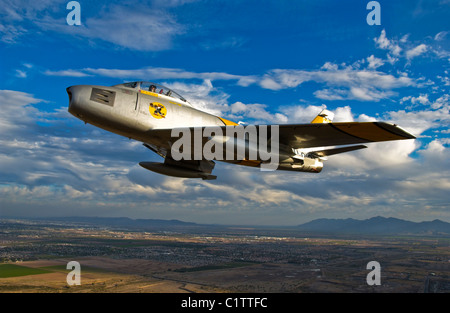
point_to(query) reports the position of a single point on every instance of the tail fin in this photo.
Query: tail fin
(324, 116)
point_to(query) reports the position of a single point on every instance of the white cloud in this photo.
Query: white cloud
(268, 83)
(342, 81)
(301, 114)
(383, 42)
(414, 52)
(15, 15)
(305, 114)
(66, 73)
(256, 112)
(404, 49)
(417, 122)
(67, 170)
(345, 83)
(343, 114)
(149, 73)
(17, 110)
(150, 28)
(423, 99)
(361, 94)
(146, 29)
(374, 62)
(329, 66)
(72, 172)
(21, 74)
(441, 35)
(202, 96)
(441, 102)
(10, 33)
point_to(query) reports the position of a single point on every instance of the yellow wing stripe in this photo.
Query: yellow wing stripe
(227, 122)
(368, 131)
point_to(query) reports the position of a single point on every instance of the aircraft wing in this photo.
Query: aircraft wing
(298, 136)
(291, 137)
(336, 134)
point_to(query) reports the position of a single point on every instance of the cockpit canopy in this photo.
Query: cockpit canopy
(155, 88)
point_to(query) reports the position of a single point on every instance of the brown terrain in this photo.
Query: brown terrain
(231, 260)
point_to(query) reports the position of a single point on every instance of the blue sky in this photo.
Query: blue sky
(253, 61)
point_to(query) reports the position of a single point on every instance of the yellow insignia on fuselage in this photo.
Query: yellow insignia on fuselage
(157, 110)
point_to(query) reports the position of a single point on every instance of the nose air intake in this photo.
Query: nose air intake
(71, 107)
(69, 92)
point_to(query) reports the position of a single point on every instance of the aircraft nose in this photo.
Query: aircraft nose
(69, 92)
(72, 105)
(75, 94)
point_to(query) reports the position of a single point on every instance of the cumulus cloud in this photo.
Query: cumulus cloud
(414, 52)
(13, 106)
(85, 170)
(255, 112)
(202, 96)
(422, 99)
(72, 171)
(374, 62)
(407, 50)
(383, 42)
(33, 155)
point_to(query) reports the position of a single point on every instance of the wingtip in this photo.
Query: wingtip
(406, 133)
(397, 130)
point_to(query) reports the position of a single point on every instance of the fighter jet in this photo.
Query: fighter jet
(159, 117)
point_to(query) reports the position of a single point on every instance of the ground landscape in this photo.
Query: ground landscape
(177, 257)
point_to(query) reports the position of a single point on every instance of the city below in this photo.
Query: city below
(121, 255)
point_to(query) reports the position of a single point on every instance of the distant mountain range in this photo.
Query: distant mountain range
(375, 225)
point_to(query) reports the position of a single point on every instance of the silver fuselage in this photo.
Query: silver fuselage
(127, 111)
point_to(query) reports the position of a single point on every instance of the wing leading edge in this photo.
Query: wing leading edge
(336, 134)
